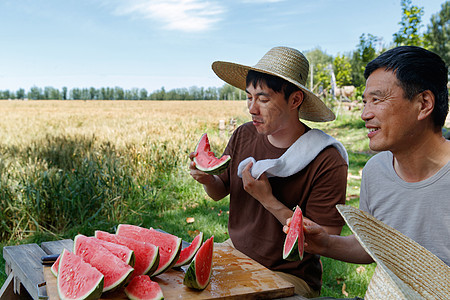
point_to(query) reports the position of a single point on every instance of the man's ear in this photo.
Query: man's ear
(426, 102)
(297, 99)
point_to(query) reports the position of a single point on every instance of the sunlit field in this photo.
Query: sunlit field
(69, 167)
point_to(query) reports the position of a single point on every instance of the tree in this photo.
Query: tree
(64, 93)
(438, 33)
(364, 53)
(229, 92)
(21, 94)
(408, 34)
(319, 62)
(143, 94)
(342, 70)
(35, 93)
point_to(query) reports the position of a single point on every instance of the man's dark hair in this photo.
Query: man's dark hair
(277, 84)
(417, 70)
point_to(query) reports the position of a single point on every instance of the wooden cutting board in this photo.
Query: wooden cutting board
(234, 276)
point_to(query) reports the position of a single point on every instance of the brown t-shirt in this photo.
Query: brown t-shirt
(316, 189)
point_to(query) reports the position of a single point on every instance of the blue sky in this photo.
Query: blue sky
(172, 43)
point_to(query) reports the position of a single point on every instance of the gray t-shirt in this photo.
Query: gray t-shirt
(420, 210)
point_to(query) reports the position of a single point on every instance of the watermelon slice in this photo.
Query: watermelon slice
(146, 255)
(55, 266)
(143, 288)
(188, 253)
(294, 242)
(121, 251)
(116, 271)
(169, 245)
(206, 161)
(199, 272)
(78, 279)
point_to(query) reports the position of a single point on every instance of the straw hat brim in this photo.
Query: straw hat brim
(312, 108)
(404, 268)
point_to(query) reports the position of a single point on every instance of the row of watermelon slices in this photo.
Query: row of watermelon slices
(107, 262)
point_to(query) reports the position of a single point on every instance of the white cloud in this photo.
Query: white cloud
(182, 15)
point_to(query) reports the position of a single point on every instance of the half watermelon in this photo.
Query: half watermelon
(146, 255)
(294, 242)
(188, 253)
(206, 161)
(169, 245)
(78, 279)
(115, 270)
(143, 288)
(199, 272)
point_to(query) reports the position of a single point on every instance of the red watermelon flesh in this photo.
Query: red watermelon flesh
(146, 255)
(199, 272)
(121, 251)
(206, 161)
(55, 266)
(294, 242)
(77, 279)
(116, 271)
(188, 253)
(143, 288)
(169, 245)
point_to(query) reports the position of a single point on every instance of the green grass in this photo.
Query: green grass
(57, 184)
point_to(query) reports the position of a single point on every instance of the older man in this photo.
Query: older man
(407, 184)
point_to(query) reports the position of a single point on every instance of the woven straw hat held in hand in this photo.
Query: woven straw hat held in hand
(405, 269)
(287, 63)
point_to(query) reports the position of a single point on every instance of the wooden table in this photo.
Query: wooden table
(26, 278)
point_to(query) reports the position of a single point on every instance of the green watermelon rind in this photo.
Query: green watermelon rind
(132, 292)
(119, 283)
(217, 169)
(190, 278)
(94, 293)
(293, 254)
(296, 251)
(193, 249)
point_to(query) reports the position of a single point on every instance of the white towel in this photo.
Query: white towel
(296, 157)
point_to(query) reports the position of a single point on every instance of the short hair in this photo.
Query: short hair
(417, 70)
(277, 84)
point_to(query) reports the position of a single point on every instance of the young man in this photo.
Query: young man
(406, 185)
(279, 163)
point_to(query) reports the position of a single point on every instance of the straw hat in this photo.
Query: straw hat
(405, 269)
(287, 63)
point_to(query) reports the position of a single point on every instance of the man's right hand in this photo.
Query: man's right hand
(212, 184)
(319, 241)
(316, 237)
(200, 176)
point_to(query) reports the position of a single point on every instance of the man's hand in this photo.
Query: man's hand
(259, 189)
(200, 176)
(212, 184)
(316, 237)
